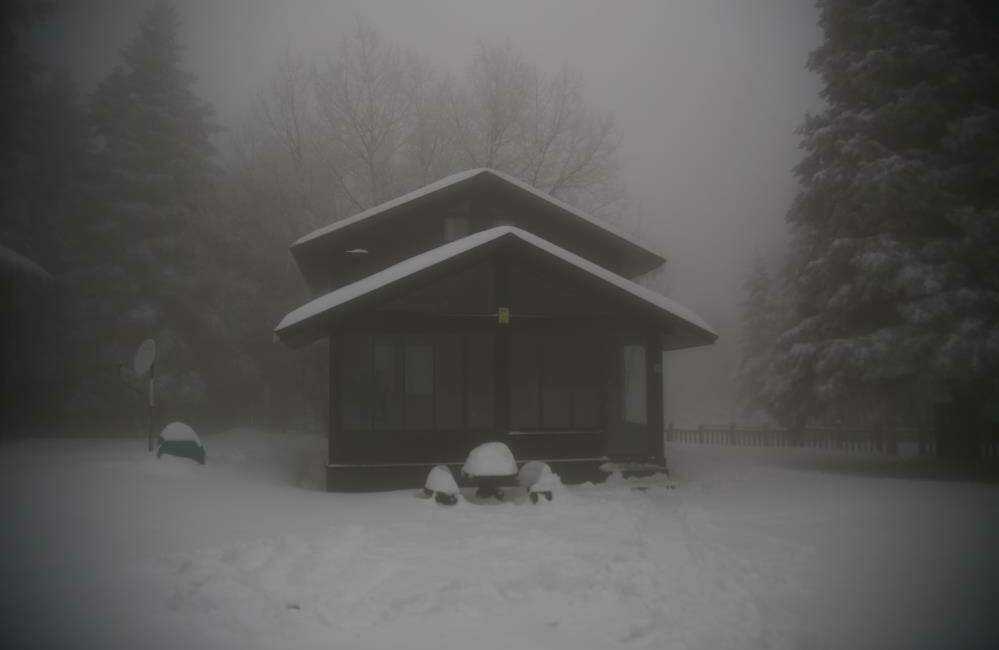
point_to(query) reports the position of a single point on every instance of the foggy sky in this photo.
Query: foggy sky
(706, 93)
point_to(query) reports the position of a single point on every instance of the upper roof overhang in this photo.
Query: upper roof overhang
(635, 257)
(316, 319)
(15, 265)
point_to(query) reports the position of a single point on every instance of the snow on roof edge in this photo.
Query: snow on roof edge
(437, 255)
(447, 181)
(458, 177)
(16, 262)
(599, 223)
(389, 275)
(637, 290)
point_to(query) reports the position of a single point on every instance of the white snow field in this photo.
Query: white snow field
(103, 546)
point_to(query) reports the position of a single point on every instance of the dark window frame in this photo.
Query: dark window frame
(540, 340)
(401, 337)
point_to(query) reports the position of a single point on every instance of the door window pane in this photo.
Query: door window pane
(557, 384)
(525, 377)
(419, 368)
(419, 382)
(448, 375)
(387, 398)
(479, 360)
(586, 396)
(633, 383)
(356, 382)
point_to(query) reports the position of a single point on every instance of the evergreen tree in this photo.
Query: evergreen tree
(148, 264)
(43, 157)
(43, 139)
(894, 268)
(156, 133)
(760, 320)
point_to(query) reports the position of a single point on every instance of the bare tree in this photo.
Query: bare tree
(277, 154)
(366, 100)
(488, 110)
(431, 148)
(506, 114)
(372, 122)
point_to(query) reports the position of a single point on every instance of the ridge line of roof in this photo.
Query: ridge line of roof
(465, 175)
(429, 188)
(444, 252)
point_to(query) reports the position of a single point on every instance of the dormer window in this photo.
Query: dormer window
(455, 228)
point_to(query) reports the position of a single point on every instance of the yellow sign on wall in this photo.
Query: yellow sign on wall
(504, 315)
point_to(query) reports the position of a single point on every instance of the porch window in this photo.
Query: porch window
(555, 382)
(449, 382)
(387, 412)
(356, 393)
(417, 382)
(633, 384)
(479, 380)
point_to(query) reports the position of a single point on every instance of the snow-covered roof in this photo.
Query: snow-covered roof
(340, 298)
(465, 176)
(447, 181)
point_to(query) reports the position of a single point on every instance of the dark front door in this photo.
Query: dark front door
(627, 397)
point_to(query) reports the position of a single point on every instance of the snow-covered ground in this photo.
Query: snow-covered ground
(102, 546)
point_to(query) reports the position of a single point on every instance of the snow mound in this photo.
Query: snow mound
(441, 480)
(490, 459)
(178, 431)
(547, 483)
(538, 477)
(290, 458)
(168, 467)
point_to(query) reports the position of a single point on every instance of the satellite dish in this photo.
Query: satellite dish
(144, 357)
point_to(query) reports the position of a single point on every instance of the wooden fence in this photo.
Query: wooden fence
(871, 441)
(912, 442)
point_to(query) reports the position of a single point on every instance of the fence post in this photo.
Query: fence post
(669, 432)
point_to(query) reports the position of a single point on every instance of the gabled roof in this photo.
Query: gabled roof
(641, 256)
(312, 320)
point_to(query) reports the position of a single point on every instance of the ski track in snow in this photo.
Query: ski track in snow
(106, 547)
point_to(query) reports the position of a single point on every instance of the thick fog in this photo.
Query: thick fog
(706, 96)
(438, 424)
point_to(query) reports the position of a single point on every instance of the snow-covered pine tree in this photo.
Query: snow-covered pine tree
(760, 322)
(895, 255)
(156, 132)
(149, 267)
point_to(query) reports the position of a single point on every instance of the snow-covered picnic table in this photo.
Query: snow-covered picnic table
(491, 467)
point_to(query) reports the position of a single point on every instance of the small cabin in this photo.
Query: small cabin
(480, 309)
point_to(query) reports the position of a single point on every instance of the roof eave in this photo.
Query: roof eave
(686, 328)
